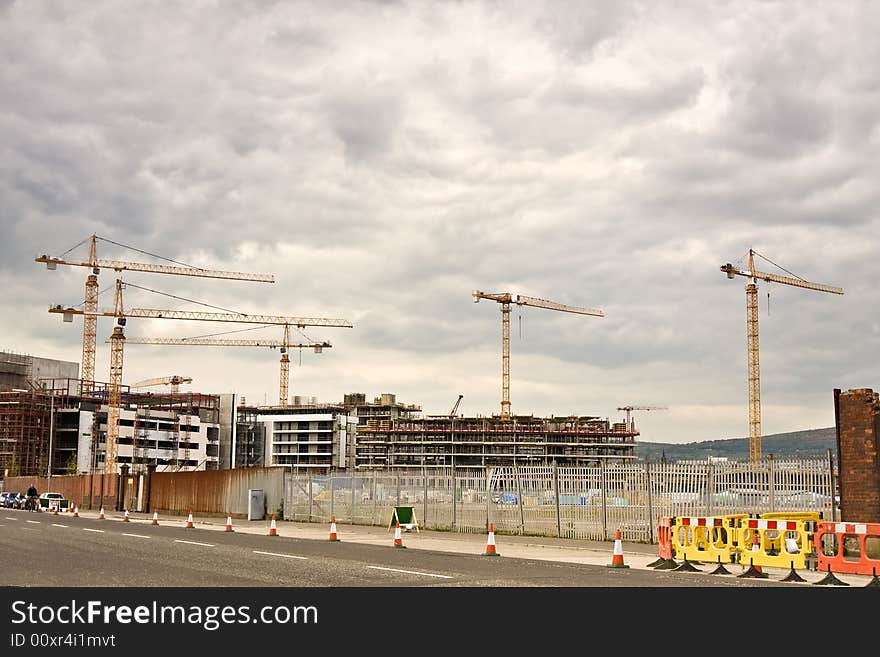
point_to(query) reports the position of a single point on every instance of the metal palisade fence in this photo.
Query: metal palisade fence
(586, 503)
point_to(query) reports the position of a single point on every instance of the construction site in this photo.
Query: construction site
(55, 418)
(52, 426)
(480, 442)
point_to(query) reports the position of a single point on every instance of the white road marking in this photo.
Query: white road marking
(57, 525)
(410, 572)
(12, 518)
(275, 554)
(97, 531)
(136, 535)
(33, 522)
(193, 543)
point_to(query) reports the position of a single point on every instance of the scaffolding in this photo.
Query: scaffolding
(443, 442)
(24, 432)
(183, 406)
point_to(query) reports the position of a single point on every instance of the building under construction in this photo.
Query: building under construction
(478, 442)
(51, 424)
(29, 405)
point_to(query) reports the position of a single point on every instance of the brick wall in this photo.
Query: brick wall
(858, 426)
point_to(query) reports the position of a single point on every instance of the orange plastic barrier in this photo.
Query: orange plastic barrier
(664, 538)
(848, 547)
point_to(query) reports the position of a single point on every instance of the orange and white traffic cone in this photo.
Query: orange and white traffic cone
(617, 557)
(55, 510)
(490, 543)
(229, 522)
(125, 517)
(155, 520)
(333, 536)
(101, 513)
(189, 520)
(398, 540)
(273, 530)
(76, 512)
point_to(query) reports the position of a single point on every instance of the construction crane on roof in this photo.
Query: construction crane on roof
(752, 343)
(506, 299)
(90, 319)
(455, 408)
(174, 381)
(630, 425)
(117, 341)
(285, 345)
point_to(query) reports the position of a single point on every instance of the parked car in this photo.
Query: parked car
(17, 500)
(52, 501)
(6, 499)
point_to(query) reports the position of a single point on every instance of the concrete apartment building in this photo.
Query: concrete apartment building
(152, 436)
(358, 434)
(307, 436)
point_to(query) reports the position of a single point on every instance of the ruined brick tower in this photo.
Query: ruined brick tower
(857, 417)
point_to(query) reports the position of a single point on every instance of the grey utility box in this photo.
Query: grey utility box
(256, 504)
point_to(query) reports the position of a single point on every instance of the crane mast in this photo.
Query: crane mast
(506, 299)
(90, 325)
(117, 341)
(284, 380)
(753, 356)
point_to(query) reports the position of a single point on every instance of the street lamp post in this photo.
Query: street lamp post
(51, 435)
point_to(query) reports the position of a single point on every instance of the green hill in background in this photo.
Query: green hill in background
(810, 443)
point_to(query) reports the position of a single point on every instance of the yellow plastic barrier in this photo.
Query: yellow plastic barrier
(776, 542)
(707, 539)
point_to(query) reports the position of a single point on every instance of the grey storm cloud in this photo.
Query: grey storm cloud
(385, 159)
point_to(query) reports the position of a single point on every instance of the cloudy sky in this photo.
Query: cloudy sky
(385, 159)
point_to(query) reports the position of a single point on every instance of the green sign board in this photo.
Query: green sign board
(405, 515)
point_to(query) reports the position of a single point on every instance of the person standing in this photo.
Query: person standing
(32, 498)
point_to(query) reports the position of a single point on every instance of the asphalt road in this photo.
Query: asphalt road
(48, 550)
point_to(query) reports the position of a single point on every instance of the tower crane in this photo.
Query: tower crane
(505, 299)
(117, 340)
(284, 345)
(630, 425)
(90, 318)
(174, 381)
(752, 343)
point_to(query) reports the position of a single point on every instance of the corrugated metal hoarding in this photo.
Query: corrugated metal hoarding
(215, 491)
